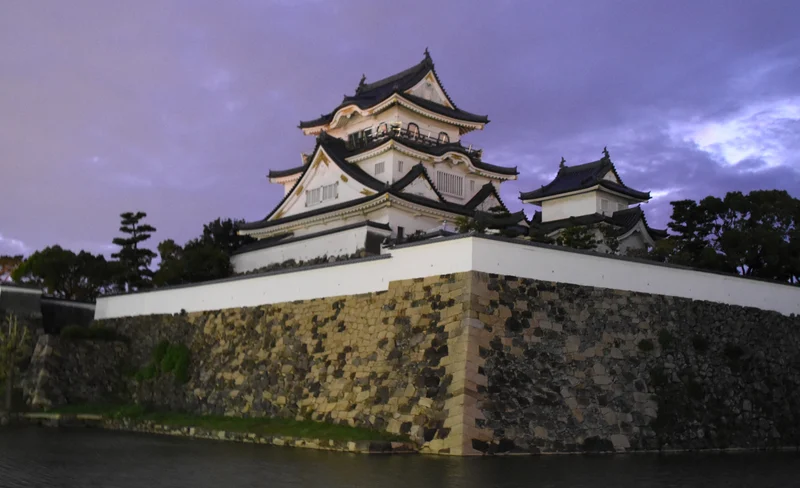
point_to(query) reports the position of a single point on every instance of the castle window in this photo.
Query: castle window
(472, 186)
(413, 129)
(383, 128)
(443, 138)
(604, 206)
(450, 184)
(400, 166)
(379, 167)
(322, 194)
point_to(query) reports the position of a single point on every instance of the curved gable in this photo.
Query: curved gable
(323, 170)
(429, 89)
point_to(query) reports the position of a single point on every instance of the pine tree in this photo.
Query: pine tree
(134, 261)
(577, 237)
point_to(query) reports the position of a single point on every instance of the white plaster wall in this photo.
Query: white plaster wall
(411, 223)
(553, 264)
(427, 126)
(429, 90)
(633, 241)
(455, 256)
(357, 122)
(336, 244)
(571, 206)
(348, 279)
(614, 202)
(323, 174)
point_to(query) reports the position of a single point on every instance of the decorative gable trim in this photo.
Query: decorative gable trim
(417, 172)
(455, 158)
(395, 99)
(432, 79)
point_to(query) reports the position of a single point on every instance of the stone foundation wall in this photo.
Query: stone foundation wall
(565, 368)
(473, 363)
(65, 372)
(386, 360)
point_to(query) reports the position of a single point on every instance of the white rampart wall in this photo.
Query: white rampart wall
(341, 243)
(455, 256)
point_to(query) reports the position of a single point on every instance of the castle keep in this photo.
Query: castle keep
(469, 344)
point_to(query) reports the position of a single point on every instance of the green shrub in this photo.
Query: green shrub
(700, 343)
(167, 358)
(128, 411)
(93, 333)
(645, 345)
(160, 351)
(148, 372)
(666, 339)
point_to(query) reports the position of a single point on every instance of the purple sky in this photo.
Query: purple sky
(179, 108)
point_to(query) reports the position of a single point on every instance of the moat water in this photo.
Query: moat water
(84, 458)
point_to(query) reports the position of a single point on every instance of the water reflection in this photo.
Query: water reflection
(67, 458)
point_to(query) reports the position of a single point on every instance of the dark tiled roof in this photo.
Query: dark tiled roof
(287, 238)
(370, 94)
(499, 221)
(337, 150)
(415, 172)
(438, 150)
(263, 224)
(623, 220)
(278, 173)
(485, 192)
(574, 178)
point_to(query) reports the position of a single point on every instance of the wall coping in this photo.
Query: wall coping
(251, 276)
(589, 253)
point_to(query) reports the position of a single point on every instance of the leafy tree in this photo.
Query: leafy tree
(222, 235)
(195, 262)
(609, 238)
(577, 237)
(753, 234)
(134, 260)
(8, 264)
(480, 224)
(538, 235)
(62, 273)
(467, 224)
(14, 347)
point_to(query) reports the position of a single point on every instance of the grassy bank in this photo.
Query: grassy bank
(261, 426)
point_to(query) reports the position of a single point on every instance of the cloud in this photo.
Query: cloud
(10, 246)
(769, 131)
(180, 108)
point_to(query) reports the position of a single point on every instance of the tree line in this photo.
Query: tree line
(84, 276)
(755, 234)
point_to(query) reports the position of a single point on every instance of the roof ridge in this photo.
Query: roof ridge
(427, 62)
(602, 161)
(416, 171)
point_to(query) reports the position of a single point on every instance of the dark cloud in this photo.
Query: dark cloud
(179, 108)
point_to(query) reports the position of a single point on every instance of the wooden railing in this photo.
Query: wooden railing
(361, 139)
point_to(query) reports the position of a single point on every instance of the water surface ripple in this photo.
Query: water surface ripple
(85, 458)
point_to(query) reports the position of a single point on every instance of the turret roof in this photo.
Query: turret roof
(370, 94)
(623, 220)
(574, 178)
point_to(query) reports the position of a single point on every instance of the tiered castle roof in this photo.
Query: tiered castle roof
(392, 90)
(337, 150)
(582, 177)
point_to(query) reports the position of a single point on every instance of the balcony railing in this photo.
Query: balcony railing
(364, 138)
